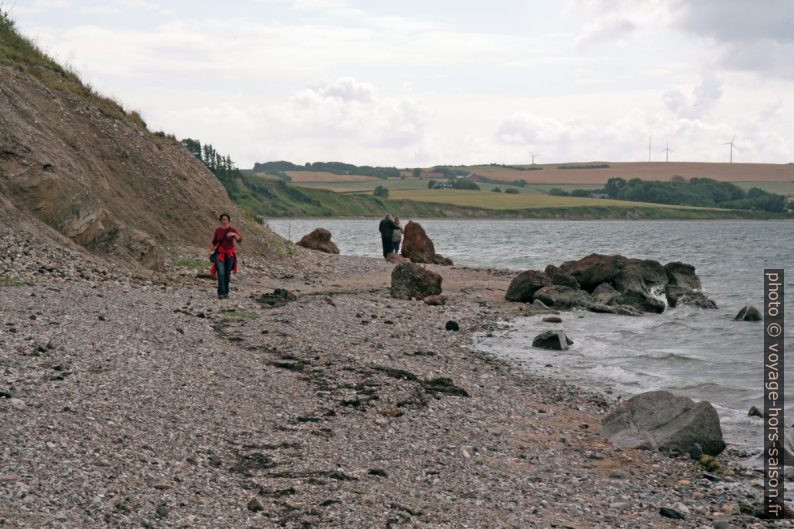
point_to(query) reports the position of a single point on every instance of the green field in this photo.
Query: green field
(503, 201)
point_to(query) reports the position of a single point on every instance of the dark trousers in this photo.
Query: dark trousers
(388, 245)
(224, 271)
(396, 246)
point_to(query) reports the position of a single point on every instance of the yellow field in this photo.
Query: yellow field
(725, 172)
(488, 200)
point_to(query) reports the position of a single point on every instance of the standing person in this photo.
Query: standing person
(397, 235)
(386, 227)
(224, 253)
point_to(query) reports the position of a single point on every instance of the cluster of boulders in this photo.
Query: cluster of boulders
(612, 284)
(319, 240)
(418, 247)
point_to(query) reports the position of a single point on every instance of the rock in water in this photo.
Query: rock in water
(319, 240)
(640, 301)
(552, 319)
(410, 280)
(523, 287)
(418, 247)
(560, 297)
(677, 295)
(682, 275)
(755, 412)
(554, 340)
(659, 420)
(641, 276)
(749, 313)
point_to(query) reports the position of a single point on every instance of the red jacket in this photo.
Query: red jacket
(225, 246)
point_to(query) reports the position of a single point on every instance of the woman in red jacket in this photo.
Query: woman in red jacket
(224, 248)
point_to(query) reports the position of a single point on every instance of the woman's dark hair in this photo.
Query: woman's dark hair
(225, 215)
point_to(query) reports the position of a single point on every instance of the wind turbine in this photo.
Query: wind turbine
(667, 150)
(732, 147)
(533, 157)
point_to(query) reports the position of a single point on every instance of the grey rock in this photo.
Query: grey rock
(560, 277)
(554, 340)
(560, 297)
(749, 313)
(678, 295)
(682, 274)
(524, 286)
(605, 294)
(659, 420)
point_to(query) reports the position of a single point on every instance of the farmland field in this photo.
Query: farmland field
(396, 184)
(502, 201)
(319, 176)
(726, 172)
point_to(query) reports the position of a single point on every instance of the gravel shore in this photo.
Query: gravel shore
(129, 402)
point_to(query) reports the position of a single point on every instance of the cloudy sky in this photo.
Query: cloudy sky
(417, 83)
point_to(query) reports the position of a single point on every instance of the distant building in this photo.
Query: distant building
(599, 195)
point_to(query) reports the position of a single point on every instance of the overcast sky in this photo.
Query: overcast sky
(417, 83)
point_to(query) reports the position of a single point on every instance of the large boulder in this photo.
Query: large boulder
(682, 275)
(749, 313)
(677, 295)
(594, 269)
(319, 240)
(638, 275)
(410, 280)
(554, 340)
(418, 247)
(560, 297)
(524, 285)
(559, 277)
(659, 420)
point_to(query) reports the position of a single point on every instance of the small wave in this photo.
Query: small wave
(670, 357)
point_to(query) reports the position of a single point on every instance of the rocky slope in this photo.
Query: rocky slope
(94, 173)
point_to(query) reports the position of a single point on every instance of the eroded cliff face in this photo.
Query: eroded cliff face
(93, 172)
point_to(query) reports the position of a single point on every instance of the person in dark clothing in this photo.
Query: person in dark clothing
(397, 235)
(386, 228)
(224, 254)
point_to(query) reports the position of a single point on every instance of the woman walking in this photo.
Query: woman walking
(224, 253)
(397, 235)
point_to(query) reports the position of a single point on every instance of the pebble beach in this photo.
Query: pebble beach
(144, 401)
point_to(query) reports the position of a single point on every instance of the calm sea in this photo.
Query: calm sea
(703, 354)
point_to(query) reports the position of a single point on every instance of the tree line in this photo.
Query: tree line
(703, 192)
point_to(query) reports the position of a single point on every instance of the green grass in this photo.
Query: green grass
(6, 281)
(501, 201)
(191, 263)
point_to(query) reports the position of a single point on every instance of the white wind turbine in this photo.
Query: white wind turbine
(533, 157)
(732, 147)
(667, 150)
